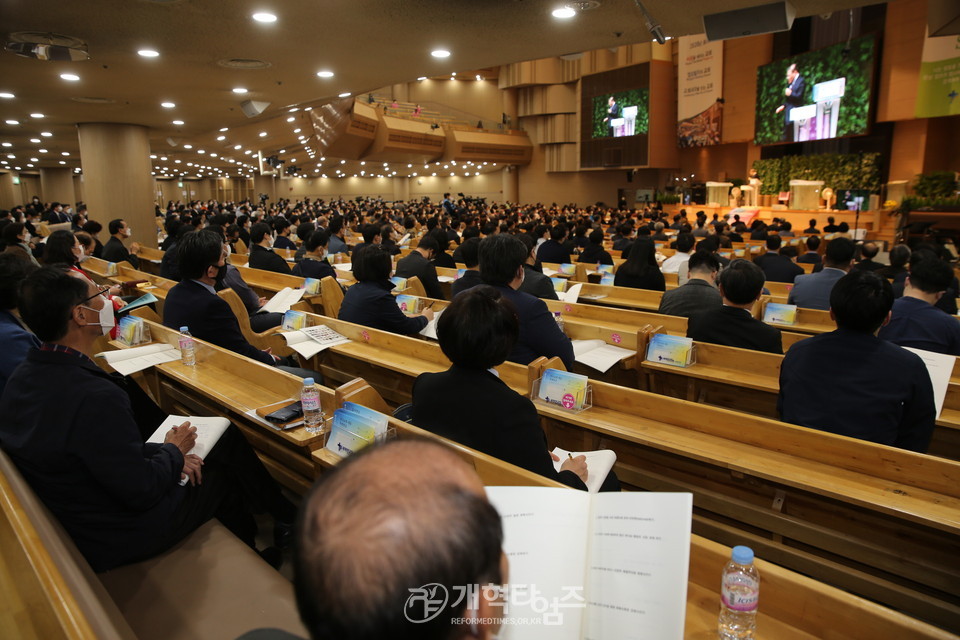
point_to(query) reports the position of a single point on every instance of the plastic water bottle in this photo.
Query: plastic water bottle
(310, 402)
(740, 595)
(188, 348)
(559, 320)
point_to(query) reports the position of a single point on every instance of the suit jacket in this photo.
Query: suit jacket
(539, 333)
(812, 291)
(537, 284)
(209, 318)
(477, 409)
(596, 254)
(469, 279)
(869, 265)
(857, 385)
(778, 268)
(371, 304)
(15, 342)
(114, 251)
(552, 251)
(310, 268)
(414, 264)
(85, 458)
(652, 280)
(733, 327)
(283, 242)
(266, 259)
(918, 324)
(696, 296)
(810, 257)
(170, 263)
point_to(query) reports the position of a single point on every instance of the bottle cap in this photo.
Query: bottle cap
(309, 381)
(742, 555)
(183, 328)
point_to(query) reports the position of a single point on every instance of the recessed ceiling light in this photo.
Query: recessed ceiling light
(64, 153)
(148, 53)
(221, 137)
(564, 12)
(239, 90)
(6, 144)
(263, 134)
(46, 134)
(188, 146)
(264, 17)
(168, 105)
(200, 151)
(296, 130)
(7, 95)
(69, 77)
(13, 122)
(345, 94)
(42, 150)
(238, 147)
(34, 160)
(440, 53)
(62, 162)
(224, 129)
(178, 122)
(324, 74)
(36, 115)
(35, 140)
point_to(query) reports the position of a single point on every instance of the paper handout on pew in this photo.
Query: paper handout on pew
(430, 331)
(599, 464)
(598, 354)
(445, 278)
(209, 430)
(283, 300)
(572, 294)
(127, 361)
(309, 341)
(940, 368)
(604, 565)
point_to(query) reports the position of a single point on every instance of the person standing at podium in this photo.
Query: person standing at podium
(613, 112)
(792, 97)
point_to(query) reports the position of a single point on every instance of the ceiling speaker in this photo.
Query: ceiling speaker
(768, 18)
(252, 108)
(171, 142)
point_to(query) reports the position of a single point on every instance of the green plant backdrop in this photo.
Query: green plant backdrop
(638, 97)
(819, 66)
(838, 171)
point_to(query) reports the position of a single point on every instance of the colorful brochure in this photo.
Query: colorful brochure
(672, 350)
(780, 313)
(568, 390)
(407, 303)
(311, 286)
(294, 321)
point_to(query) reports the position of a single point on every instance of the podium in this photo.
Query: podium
(749, 193)
(718, 192)
(805, 194)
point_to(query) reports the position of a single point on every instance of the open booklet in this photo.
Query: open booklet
(127, 361)
(430, 331)
(310, 341)
(599, 464)
(209, 431)
(572, 294)
(283, 300)
(605, 565)
(598, 354)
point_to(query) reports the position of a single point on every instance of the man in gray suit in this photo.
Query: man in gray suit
(813, 291)
(700, 292)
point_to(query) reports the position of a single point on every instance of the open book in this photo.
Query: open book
(310, 341)
(127, 361)
(209, 431)
(430, 331)
(283, 300)
(598, 354)
(605, 565)
(572, 294)
(599, 464)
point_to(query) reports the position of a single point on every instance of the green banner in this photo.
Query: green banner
(938, 93)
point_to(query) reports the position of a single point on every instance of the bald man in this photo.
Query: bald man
(385, 523)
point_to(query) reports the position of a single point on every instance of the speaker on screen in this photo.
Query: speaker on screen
(768, 18)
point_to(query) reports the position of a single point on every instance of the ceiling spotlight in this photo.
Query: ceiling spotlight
(264, 17)
(224, 129)
(6, 144)
(440, 53)
(176, 122)
(324, 74)
(263, 134)
(69, 77)
(65, 153)
(168, 105)
(13, 122)
(221, 137)
(36, 115)
(564, 13)
(188, 146)
(7, 95)
(345, 94)
(655, 29)
(148, 53)
(239, 90)
(46, 134)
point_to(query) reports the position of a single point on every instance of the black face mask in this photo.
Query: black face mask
(221, 274)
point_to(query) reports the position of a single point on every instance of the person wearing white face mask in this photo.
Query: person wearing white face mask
(262, 255)
(115, 251)
(17, 238)
(314, 263)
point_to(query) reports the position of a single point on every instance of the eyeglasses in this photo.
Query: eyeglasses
(100, 291)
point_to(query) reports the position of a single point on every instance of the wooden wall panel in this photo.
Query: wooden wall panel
(557, 98)
(741, 57)
(900, 68)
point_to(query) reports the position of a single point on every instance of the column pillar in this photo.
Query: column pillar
(116, 177)
(56, 185)
(401, 189)
(9, 192)
(511, 183)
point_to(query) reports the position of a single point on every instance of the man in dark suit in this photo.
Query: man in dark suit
(812, 291)
(552, 250)
(613, 112)
(777, 267)
(812, 229)
(869, 251)
(700, 292)
(811, 256)
(852, 383)
(470, 254)
(262, 255)
(501, 265)
(732, 324)
(916, 321)
(792, 97)
(282, 228)
(417, 263)
(535, 282)
(114, 250)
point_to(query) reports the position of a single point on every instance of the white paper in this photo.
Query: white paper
(283, 300)
(127, 361)
(209, 430)
(445, 278)
(599, 464)
(310, 341)
(430, 331)
(549, 272)
(571, 294)
(597, 354)
(940, 368)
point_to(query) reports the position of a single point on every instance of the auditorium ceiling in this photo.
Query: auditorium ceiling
(209, 50)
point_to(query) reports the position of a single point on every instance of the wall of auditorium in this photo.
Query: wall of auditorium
(480, 98)
(486, 185)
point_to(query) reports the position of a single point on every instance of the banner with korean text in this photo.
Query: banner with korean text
(699, 88)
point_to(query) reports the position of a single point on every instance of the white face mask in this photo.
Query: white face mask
(83, 257)
(27, 237)
(107, 320)
(127, 232)
(229, 249)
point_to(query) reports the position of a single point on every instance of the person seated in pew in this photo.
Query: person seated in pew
(552, 250)
(83, 453)
(304, 230)
(812, 291)
(388, 239)
(472, 231)
(418, 263)
(899, 256)
(262, 255)
(424, 510)
(370, 234)
(915, 321)
(684, 244)
(928, 251)
(441, 258)
(776, 266)
(469, 404)
(470, 254)
(314, 263)
(640, 271)
(93, 228)
(115, 251)
(594, 253)
(370, 303)
(16, 339)
(336, 232)
(732, 324)
(194, 302)
(852, 383)
(812, 229)
(535, 282)
(282, 230)
(169, 264)
(869, 251)
(502, 260)
(699, 293)
(811, 256)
